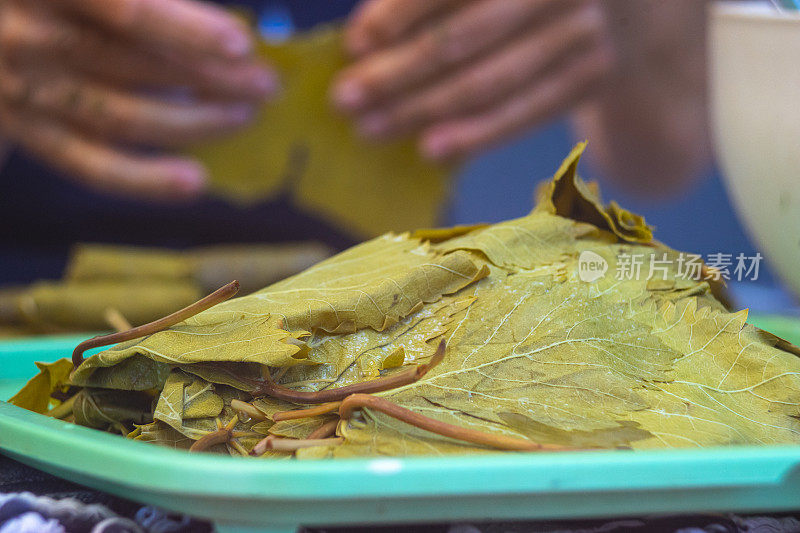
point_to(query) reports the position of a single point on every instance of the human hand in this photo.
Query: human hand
(91, 85)
(465, 74)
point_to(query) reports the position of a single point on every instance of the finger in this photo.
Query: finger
(107, 112)
(103, 167)
(542, 100)
(197, 28)
(235, 80)
(28, 37)
(32, 38)
(490, 79)
(472, 31)
(377, 23)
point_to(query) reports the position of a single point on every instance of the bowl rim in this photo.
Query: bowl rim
(755, 11)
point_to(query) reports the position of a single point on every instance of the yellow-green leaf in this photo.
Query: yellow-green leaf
(301, 150)
(35, 395)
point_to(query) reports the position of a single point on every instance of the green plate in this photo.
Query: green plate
(250, 495)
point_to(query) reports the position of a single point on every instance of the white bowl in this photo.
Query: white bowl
(754, 67)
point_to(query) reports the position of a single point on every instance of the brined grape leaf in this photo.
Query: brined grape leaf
(372, 285)
(35, 395)
(111, 409)
(160, 433)
(185, 397)
(269, 406)
(568, 196)
(378, 434)
(300, 149)
(362, 355)
(616, 436)
(192, 406)
(730, 386)
(244, 339)
(237, 375)
(195, 408)
(296, 429)
(269, 327)
(133, 373)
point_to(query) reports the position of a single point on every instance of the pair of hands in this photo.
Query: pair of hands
(100, 88)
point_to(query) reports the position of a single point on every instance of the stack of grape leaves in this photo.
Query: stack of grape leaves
(447, 341)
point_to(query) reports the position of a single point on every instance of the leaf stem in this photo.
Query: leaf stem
(220, 436)
(63, 409)
(501, 442)
(320, 409)
(291, 445)
(261, 446)
(328, 429)
(116, 320)
(218, 296)
(238, 447)
(249, 410)
(267, 387)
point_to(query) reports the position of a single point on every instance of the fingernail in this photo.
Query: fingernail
(236, 43)
(348, 95)
(436, 146)
(375, 125)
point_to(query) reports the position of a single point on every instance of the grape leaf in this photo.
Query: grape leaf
(302, 150)
(244, 339)
(111, 409)
(185, 397)
(35, 395)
